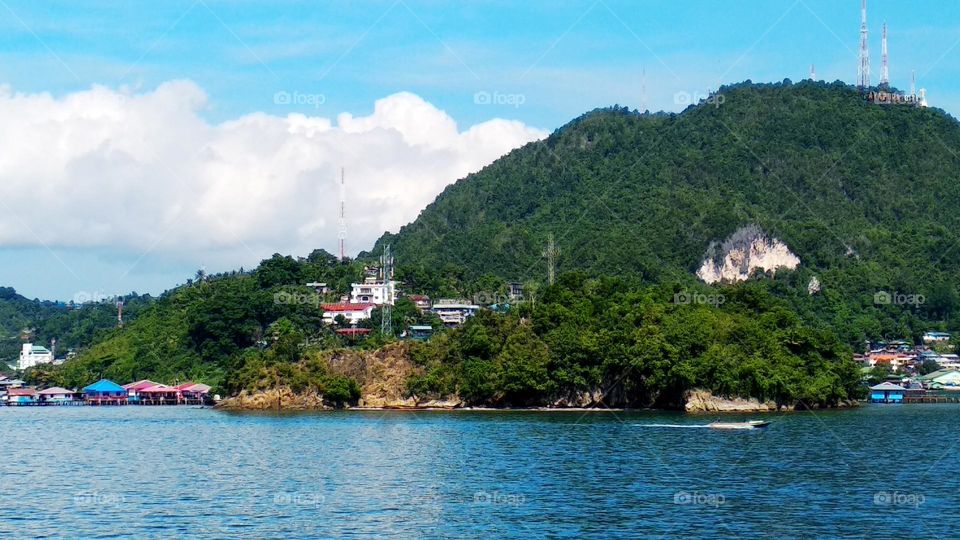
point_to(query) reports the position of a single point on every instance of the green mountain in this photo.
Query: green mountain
(863, 194)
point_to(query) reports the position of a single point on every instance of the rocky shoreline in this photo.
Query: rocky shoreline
(284, 399)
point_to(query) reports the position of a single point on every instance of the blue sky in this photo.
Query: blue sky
(542, 63)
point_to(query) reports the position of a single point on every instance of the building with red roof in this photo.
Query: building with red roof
(352, 312)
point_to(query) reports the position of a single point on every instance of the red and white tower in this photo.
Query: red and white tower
(885, 69)
(863, 72)
(342, 233)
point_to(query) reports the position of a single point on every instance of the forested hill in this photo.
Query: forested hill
(72, 325)
(864, 194)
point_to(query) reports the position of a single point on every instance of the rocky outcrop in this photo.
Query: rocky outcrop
(381, 374)
(580, 399)
(281, 398)
(746, 250)
(701, 401)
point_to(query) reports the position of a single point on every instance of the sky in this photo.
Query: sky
(141, 141)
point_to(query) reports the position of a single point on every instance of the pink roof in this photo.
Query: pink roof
(346, 307)
(194, 387)
(55, 391)
(139, 385)
(158, 389)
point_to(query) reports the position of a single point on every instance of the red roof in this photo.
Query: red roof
(353, 331)
(21, 392)
(346, 307)
(418, 297)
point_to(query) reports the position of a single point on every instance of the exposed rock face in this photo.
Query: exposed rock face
(581, 398)
(746, 250)
(281, 398)
(381, 374)
(700, 401)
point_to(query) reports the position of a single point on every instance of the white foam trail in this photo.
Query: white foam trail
(673, 425)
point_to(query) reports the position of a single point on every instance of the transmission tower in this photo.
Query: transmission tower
(885, 67)
(551, 254)
(120, 313)
(863, 72)
(342, 233)
(386, 268)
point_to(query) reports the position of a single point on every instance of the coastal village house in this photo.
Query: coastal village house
(105, 392)
(193, 391)
(942, 379)
(887, 393)
(57, 396)
(21, 396)
(133, 389)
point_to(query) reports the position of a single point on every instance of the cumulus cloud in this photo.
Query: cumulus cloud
(145, 171)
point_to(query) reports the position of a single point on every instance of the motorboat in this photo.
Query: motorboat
(750, 424)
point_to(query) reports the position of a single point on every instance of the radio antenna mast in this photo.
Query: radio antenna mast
(863, 73)
(342, 234)
(885, 68)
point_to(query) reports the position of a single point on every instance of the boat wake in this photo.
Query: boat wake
(681, 426)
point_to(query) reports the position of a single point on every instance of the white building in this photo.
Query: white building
(32, 355)
(454, 312)
(373, 291)
(352, 312)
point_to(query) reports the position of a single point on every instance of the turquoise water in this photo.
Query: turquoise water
(881, 471)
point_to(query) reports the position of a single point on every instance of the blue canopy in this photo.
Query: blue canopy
(103, 386)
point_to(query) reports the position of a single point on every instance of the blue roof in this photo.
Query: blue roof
(104, 385)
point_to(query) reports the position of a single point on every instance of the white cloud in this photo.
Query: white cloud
(145, 171)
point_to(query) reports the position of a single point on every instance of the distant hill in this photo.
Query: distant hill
(71, 325)
(865, 195)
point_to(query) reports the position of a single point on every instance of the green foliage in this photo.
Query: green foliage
(640, 348)
(861, 193)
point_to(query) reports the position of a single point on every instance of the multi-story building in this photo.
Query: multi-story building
(454, 312)
(32, 355)
(373, 291)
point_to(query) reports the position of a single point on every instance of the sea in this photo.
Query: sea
(878, 471)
